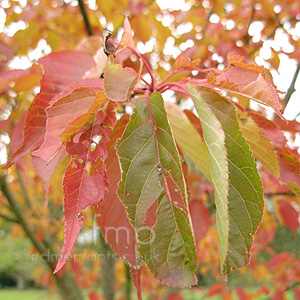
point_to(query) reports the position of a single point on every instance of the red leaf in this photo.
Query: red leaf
(93, 295)
(279, 294)
(126, 39)
(61, 69)
(278, 260)
(289, 215)
(80, 191)
(18, 134)
(17, 137)
(270, 129)
(45, 170)
(195, 121)
(291, 126)
(175, 296)
(242, 294)
(264, 92)
(66, 110)
(200, 219)
(296, 294)
(215, 289)
(111, 215)
(289, 167)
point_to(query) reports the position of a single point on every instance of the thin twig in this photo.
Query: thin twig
(85, 18)
(291, 88)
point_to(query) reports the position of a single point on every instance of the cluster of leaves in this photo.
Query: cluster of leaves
(136, 169)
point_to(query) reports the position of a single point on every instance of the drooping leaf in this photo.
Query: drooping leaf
(215, 140)
(150, 164)
(111, 214)
(188, 139)
(240, 205)
(126, 79)
(80, 191)
(69, 113)
(80, 187)
(61, 69)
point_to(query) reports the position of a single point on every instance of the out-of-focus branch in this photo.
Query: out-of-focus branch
(9, 218)
(18, 211)
(23, 188)
(85, 18)
(291, 88)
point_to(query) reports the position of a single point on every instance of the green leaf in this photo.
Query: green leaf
(153, 191)
(188, 138)
(232, 167)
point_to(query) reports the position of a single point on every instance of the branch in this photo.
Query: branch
(291, 88)
(18, 211)
(146, 66)
(9, 218)
(85, 18)
(24, 191)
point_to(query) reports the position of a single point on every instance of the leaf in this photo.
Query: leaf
(289, 167)
(119, 82)
(291, 126)
(262, 91)
(80, 191)
(150, 163)
(238, 61)
(288, 214)
(21, 80)
(46, 170)
(216, 289)
(75, 125)
(214, 137)
(111, 214)
(61, 69)
(67, 114)
(188, 139)
(200, 219)
(238, 189)
(260, 146)
(269, 128)
(182, 62)
(126, 39)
